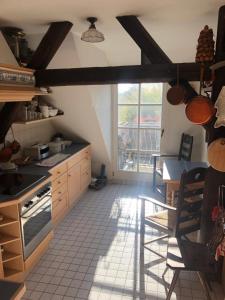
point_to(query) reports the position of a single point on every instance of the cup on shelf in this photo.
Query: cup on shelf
(45, 111)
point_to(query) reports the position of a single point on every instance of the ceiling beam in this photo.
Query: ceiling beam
(115, 75)
(47, 48)
(143, 39)
(49, 45)
(150, 50)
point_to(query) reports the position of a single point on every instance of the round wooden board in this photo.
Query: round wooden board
(216, 154)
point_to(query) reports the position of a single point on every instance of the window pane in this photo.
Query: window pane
(128, 116)
(151, 93)
(127, 149)
(149, 144)
(128, 93)
(150, 116)
(150, 140)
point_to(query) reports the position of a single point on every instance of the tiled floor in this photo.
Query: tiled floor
(96, 254)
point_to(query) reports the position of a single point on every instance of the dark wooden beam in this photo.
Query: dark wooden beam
(49, 44)
(47, 48)
(114, 75)
(150, 50)
(214, 178)
(143, 39)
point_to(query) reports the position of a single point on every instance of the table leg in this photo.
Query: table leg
(171, 188)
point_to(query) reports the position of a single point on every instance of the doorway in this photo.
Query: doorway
(137, 124)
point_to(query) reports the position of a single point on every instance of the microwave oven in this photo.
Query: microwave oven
(37, 151)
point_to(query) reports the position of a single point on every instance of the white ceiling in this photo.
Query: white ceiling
(174, 24)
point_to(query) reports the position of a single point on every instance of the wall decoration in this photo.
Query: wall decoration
(216, 154)
(220, 106)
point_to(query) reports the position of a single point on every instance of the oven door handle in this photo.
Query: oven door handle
(35, 208)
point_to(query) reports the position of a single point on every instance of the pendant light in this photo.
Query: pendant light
(92, 35)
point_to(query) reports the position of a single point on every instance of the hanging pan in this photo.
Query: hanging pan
(200, 109)
(176, 94)
(216, 157)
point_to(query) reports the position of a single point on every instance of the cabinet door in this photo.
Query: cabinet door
(74, 183)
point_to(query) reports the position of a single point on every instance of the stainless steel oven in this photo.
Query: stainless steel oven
(36, 219)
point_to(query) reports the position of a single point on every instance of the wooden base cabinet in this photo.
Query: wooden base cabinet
(11, 254)
(74, 182)
(79, 174)
(70, 179)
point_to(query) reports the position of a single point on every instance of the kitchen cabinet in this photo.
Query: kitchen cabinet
(74, 181)
(79, 174)
(11, 254)
(69, 180)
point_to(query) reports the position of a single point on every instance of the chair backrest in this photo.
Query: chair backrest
(189, 204)
(185, 147)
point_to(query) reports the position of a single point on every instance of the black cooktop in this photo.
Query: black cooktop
(13, 184)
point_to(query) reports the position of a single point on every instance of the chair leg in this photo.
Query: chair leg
(204, 284)
(164, 273)
(155, 240)
(173, 283)
(154, 174)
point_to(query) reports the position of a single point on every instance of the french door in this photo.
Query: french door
(138, 126)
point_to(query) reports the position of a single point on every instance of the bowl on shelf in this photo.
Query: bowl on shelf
(53, 112)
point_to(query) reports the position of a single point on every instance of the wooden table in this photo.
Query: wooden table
(172, 171)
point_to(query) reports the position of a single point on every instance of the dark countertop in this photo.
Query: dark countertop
(33, 169)
(44, 171)
(8, 289)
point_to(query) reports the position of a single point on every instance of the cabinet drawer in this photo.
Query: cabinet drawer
(58, 170)
(85, 164)
(59, 192)
(74, 160)
(59, 206)
(86, 153)
(85, 178)
(59, 181)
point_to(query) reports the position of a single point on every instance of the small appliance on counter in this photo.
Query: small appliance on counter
(37, 151)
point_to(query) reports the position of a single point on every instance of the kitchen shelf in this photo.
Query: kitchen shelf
(7, 221)
(37, 121)
(6, 238)
(8, 272)
(19, 93)
(7, 256)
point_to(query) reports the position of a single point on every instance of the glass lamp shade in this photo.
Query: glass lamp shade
(92, 35)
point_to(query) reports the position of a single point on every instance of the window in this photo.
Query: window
(139, 125)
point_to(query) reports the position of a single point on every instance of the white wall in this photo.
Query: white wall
(174, 123)
(6, 55)
(87, 109)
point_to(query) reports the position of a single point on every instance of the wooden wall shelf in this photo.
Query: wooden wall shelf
(17, 93)
(37, 121)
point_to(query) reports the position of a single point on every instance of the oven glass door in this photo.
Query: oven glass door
(36, 219)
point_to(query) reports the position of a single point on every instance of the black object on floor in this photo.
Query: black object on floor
(100, 181)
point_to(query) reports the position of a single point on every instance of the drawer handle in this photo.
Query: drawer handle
(69, 175)
(58, 172)
(59, 182)
(60, 200)
(59, 192)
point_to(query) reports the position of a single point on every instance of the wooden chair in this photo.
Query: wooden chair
(187, 255)
(186, 217)
(190, 256)
(184, 154)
